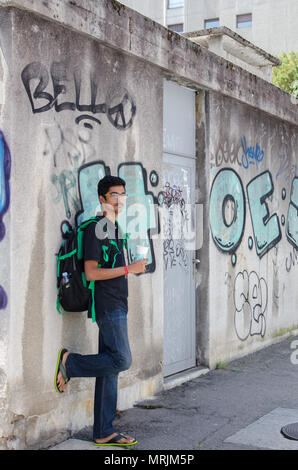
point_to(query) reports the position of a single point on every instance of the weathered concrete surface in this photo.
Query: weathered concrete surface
(234, 48)
(101, 58)
(251, 175)
(128, 31)
(48, 149)
(265, 432)
(79, 444)
(6, 418)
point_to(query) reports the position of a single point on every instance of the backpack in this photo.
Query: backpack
(74, 291)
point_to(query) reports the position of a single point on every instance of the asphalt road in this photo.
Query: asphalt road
(240, 407)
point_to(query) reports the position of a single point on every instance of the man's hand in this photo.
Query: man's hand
(137, 267)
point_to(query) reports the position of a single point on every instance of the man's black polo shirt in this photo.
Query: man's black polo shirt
(102, 244)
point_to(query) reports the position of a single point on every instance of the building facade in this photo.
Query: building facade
(268, 24)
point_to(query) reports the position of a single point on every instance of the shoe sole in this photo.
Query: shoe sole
(57, 371)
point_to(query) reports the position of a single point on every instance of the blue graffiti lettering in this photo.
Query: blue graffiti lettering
(251, 155)
(292, 222)
(5, 167)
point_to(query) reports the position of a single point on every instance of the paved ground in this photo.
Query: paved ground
(240, 407)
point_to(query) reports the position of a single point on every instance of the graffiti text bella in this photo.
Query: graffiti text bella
(119, 106)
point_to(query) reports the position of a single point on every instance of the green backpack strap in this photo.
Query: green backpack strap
(91, 285)
(105, 248)
(79, 251)
(92, 288)
(80, 235)
(59, 258)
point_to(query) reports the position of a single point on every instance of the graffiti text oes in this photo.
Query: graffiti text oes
(227, 195)
(119, 106)
(267, 232)
(227, 212)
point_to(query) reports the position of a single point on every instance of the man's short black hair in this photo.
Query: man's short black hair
(108, 181)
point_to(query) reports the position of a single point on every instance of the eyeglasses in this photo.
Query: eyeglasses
(117, 195)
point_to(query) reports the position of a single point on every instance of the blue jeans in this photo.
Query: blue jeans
(113, 356)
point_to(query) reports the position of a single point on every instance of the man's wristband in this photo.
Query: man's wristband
(126, 271)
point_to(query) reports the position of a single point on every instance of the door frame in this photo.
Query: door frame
(171, 369)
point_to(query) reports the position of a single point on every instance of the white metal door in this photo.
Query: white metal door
(178, 228)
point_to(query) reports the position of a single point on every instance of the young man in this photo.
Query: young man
(104, 263)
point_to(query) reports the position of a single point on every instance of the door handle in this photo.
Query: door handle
(196, 261)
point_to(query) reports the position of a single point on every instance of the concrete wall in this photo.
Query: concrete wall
(60, 63)
(48, 149)
(6, 418)
(252, 168)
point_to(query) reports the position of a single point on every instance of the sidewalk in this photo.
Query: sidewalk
(240, 407)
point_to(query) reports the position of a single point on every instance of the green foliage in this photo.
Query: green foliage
(221, 365)
(286, 75)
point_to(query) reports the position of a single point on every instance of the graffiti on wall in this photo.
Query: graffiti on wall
(286, 169)
(77, 168)
(139, 218)
(175, 222)
(88, 178)
(69, 150)
(140, 213)
(252, 155)
(250, 299)
(266, 227)
(291, 260)
(75, 187)
(241, 154)
(119, 106)
(5, 168)
(227, 210)
(250, 204)
(228, 213)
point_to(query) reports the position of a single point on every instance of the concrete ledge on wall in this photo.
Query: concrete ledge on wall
(185, 376)
(231, 46)
(275, 338)
(140, 390)
(126, 30)
(41, 431)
